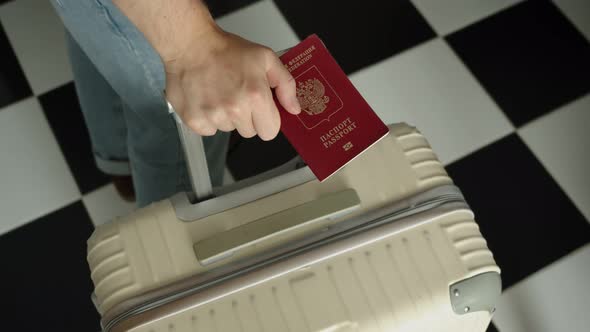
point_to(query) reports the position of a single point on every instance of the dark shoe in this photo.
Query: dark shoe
(124, 186)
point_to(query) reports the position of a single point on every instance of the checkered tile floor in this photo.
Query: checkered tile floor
(501, 88)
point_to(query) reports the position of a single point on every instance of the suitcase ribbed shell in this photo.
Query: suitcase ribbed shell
(375, 287)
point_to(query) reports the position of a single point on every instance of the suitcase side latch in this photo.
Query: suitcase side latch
(478, 293)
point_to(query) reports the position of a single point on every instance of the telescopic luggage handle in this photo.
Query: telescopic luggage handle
(196, 159)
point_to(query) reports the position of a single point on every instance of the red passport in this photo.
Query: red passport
(335, 124)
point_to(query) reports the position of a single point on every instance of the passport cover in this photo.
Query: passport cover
(335, 124)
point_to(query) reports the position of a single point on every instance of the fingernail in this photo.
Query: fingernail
(295, 105)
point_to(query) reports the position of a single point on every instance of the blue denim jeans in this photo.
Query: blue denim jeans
(120, 82)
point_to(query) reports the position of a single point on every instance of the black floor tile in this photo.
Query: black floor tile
(527, 219)
(67, 122)
(13, 83)
(492, 328)
(222, 7)
(46, 283)
(530, 58)
(358, 33)
(247, 157)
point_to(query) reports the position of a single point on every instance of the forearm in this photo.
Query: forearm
(169, 25)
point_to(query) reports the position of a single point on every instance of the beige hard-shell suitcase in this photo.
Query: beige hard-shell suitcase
(388, 243)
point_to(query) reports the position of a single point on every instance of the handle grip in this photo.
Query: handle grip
(325, 208)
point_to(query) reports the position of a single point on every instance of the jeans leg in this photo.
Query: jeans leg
(156, 157)
(103, 113)
(135, 72)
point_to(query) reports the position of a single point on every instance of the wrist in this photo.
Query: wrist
(199, 46)
(171, 27)
(178, 32)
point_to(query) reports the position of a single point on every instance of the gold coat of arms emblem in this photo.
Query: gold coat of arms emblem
(311, 96)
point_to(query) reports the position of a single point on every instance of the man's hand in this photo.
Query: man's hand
(223, 82)
(214, 80)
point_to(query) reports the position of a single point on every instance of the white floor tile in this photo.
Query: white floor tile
(561, 141)
(556, 298)
(104, 205)
(37, 36)
(430, 88)
(262, 23)
(450, 15)
(578, 11)
(34, 176)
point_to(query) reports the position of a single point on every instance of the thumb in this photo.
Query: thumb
(281, 80)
